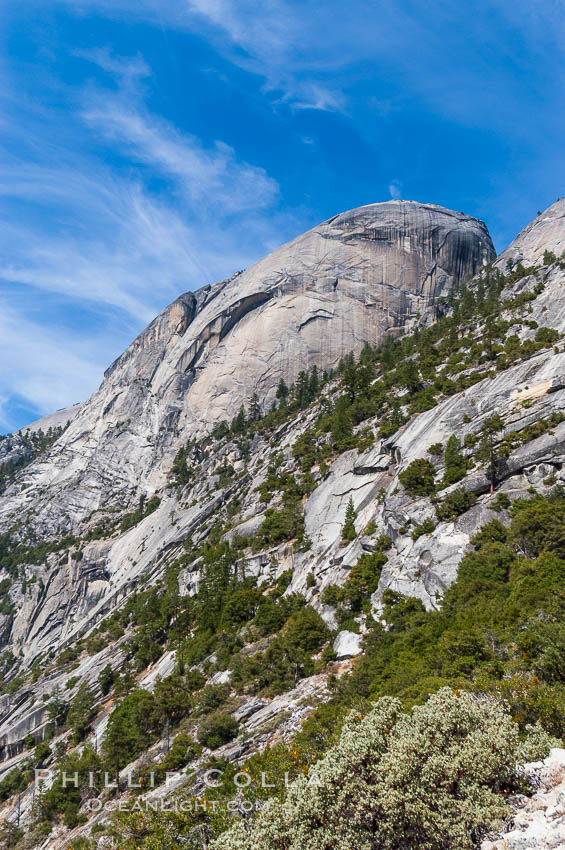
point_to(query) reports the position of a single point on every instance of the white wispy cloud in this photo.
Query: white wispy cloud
(211, 177)
(278, 41)
(105, 240)
(121, 240)
(444, 51)
(316, 96)
(291, 45)
(114, 246)
(50, 368)
(126, 68)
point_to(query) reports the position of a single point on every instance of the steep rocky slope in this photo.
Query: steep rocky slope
(353, 279)
(306, 305)
(544, 233)
(346, 282)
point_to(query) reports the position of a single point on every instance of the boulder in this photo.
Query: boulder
(347, 644)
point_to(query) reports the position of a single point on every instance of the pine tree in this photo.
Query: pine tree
(239, 422)
(490, 336)
(489, 453)
(81, 712)
(282, 393)
(342, 426)
(480, 296)
(173, 699)
(106, 680)
(57, 709)
(455, 462)
(132, 726)
(179, 469)
(348, 532)
(314, 383)
(388, 353)
(125, 683)
(221, 430)
(467, 302)
(217, 578)
(396, 413)
(348, 370)
(254, 408)
(301, 390)
(409, 376)
(367, 355)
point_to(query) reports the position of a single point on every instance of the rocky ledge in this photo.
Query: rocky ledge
(537, 822)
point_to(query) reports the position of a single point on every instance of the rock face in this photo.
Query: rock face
(537, 822)
(59, 419)
(352, 279)
(544, 233)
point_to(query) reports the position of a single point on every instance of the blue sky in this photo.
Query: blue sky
(148, 147)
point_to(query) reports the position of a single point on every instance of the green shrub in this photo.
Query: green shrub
(14, 781)
(549, 258)
(212, 697)
(383, 543)
(305, 630)
(270, 617)
(455, 462)
(538, 524)
(283, 524)
(183, 750)
(454, 504)
(217, 729)
(41, 753)
(435, 449)
(547, 336)
(500, 503)
(418, 478)
(425, 527)
(429, 780)
(332, 595)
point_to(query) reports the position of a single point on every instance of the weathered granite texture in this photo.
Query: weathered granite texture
(544, 233)
(352, 279)
(59, 419)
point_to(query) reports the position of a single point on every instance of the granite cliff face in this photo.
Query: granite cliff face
(352, 279)
(544, 233)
